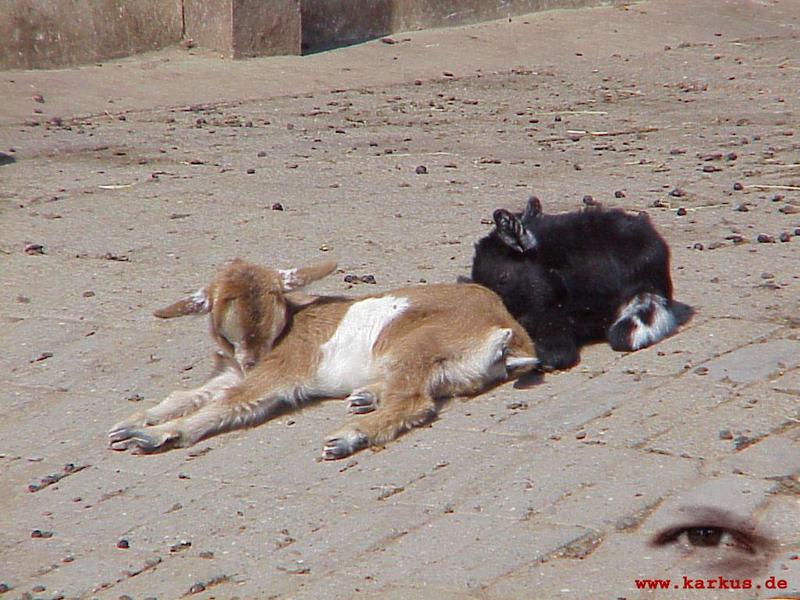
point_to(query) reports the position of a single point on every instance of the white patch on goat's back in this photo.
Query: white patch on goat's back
(347, 360)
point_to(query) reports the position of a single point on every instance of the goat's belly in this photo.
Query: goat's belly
(347, 361)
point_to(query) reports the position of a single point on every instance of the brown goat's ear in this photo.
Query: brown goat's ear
(300, 299)
(198, 303)
(512, 232)
(297, 278)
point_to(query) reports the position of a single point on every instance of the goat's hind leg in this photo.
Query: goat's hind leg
(364, 400)
(406, 399)
(179, 403)
(398, 412)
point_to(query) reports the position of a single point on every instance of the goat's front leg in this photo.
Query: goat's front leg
(245, 405)
(398, 412)
(226, 375)
(554, 340)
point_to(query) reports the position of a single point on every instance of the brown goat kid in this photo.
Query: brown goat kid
(390, 355)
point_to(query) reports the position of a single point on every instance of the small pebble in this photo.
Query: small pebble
(38, 98)
(777, 198)
(197, 588)
(421, 170)
(742, 208)
(737, 187)
(701, 371)
(698, 246)
(4, 587)
(261, 154)
(763, 238)
(38, 588)
(619, 194)
(785, 236)
(88, 294)
(123, 544)
(677, 193)
(277, 206)
(681, 212)
(731, 156)
(368, 279)
(34, 249)
(725, 434)
(39, 534)
(251, 171)
(590, 201)
(580, 435)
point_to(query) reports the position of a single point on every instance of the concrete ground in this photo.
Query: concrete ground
(125, 185)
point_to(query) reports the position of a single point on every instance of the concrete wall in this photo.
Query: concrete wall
(329, 23)
(51, 33)
(244, 28)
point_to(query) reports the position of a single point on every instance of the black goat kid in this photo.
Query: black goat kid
(577, 277)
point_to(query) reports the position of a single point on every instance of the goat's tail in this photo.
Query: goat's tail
(646, 319)
(198, 303)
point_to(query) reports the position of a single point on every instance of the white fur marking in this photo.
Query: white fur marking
(485, 363)
(200, 301)
(347, 361)
(663, 320)
(289, 278)
(520, 362)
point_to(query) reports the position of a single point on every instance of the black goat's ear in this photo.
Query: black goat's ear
(532, 210)
(512, 232)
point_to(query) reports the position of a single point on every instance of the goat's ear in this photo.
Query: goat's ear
(512, 232)
(300, 299)
(198, 303)
(532, 210)
(297, 278)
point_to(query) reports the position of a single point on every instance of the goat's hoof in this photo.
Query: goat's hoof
(344, 444)
(361, 402)
(142, 441)
(137, 419)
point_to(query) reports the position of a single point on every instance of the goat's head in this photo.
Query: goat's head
(250, 305)
(506, 261)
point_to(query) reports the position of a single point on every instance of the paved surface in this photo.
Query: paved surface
(152, 172)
